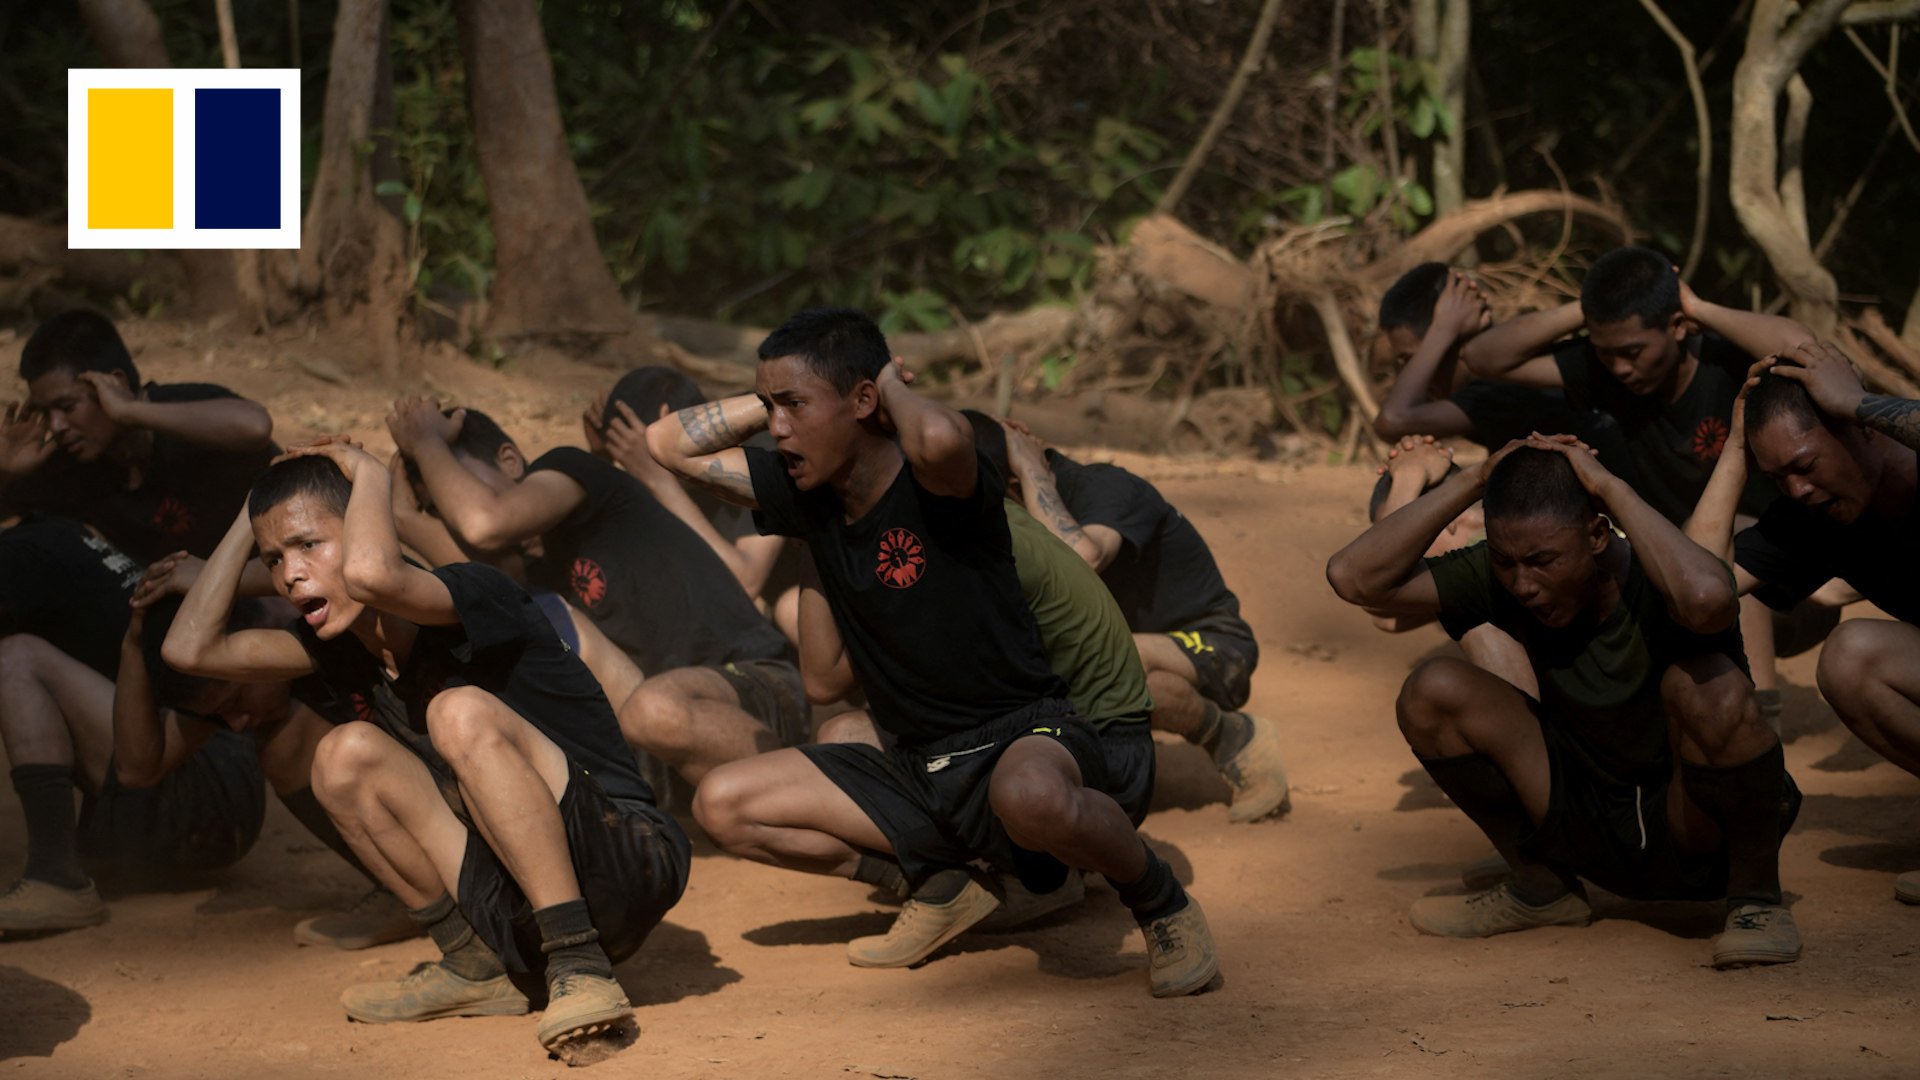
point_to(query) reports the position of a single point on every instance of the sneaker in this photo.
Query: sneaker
(921, 928)
(1181, 959)
(1757, 934)
(431, 992)
(1494, 911)
(1485, 873)
(1258, 779)
(1906, 887)
(579, 1006)
(377, 918)
(1018, 906)
(32, 907)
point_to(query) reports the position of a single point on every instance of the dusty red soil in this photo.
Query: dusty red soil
(1323, 977)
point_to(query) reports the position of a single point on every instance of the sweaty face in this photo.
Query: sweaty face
(1548, 564)
(1643, 358)
(300, 545)
(814, 426)
(241, 706)
(1813, 467)
(73, 415)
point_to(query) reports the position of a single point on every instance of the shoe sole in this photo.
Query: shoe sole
(586, 1026)
(985, 905)
(1905, 894)
(489, 1008)
(1414, 922)
(1261, 813)
(1753, 958)
(1191, 986)
(1240, 813)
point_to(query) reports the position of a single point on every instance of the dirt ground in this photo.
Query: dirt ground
(1323, 976)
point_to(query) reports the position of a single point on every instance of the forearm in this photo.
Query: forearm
(1896, 418)
(1695, 581)
(221, 424)
(1388, 554)
(679, 441)
(1500, 349)
(429, 538)
(1711, 524)
(1415, 386)
(1041, 496)
(1756, 333)
(199, 628)
(374, 563)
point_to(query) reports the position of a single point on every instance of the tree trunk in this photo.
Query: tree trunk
(550, 279)
(127, 33)
(1773, 54)
(1442, 38)
(353, 255)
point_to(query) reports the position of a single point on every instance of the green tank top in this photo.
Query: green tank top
(1081, 628)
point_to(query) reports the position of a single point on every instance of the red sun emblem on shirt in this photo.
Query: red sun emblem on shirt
(1709, 438)
(172, 517)
(362, 708)
(589, 582)
(903, 558)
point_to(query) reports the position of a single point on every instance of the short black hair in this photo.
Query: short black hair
(1384, 487)
(479, 437)
(1628, 282)
(311, 475)
(841, 345)
(645, 389)
(1530, 482)
(77, 341)
(1775, 396)
(1409, 301)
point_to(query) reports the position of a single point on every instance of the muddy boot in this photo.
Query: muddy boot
(1019, 906)
(1255, 773)
(1181, 959)
(1757, 934)
(34, 907)
(431, 992)
(1495, 911)
(580, 1005)
(375, 919)
(935, 914)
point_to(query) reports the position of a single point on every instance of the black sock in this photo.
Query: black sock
(1156, 894)
(1206, 734)
(942, 886)
(1483, 793)
(46, 798)
(307, 811)
(1236, 731)
(1771, 707)
(881, 872)
(1752, 803)
(570, 941)
(461, 950)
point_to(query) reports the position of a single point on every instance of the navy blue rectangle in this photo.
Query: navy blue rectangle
(236, 159)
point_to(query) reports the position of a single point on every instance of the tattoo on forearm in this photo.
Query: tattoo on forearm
(1892, 416)
(728, 481)
(707, 426)
(1056, 511)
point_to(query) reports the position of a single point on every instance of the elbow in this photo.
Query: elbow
(370, 579)
(821, 688)
(1708, 607)
(945, 439)
(1389, 425)
(1345, 579)
(660, 440)
(181, 655)
(258, 427)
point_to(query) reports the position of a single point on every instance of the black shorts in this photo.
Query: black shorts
(631, 860)
(204, 815)
(772, 693)
(931, 801)
(1224, 654)
(1616, 834)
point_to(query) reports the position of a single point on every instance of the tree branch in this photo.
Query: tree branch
(1703, 122)
(1256, 50)
(1866, 12)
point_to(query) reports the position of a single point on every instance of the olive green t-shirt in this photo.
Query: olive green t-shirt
(1081, 628)
(1599, 682)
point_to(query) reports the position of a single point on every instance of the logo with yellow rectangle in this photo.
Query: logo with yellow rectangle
(183, 158)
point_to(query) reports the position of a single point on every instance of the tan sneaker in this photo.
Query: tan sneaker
(1906, 887)
(375, 919)
(580, 1006)
(1757, 934)
(1181, 959)
(1495, 911)
(1258, 779)
(922, 928)
(1019, 906)
(431, 992)
(35, 907)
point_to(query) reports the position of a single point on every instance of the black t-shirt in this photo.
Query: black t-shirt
(924, 592)
(645, 579)
(1669, 449)
(1600, 680)
(1164, 576)
(1502, 412)
(62, 583)
(187, 498)
(1794, 551)
(502, 644)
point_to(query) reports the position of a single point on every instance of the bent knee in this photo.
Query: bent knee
(1712, 713)
(347, 755)
(1855, 655)
(1436, 696)
(722, 802)
(461, 719)
(1034, 802)
(23, 654)
(656, 719)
